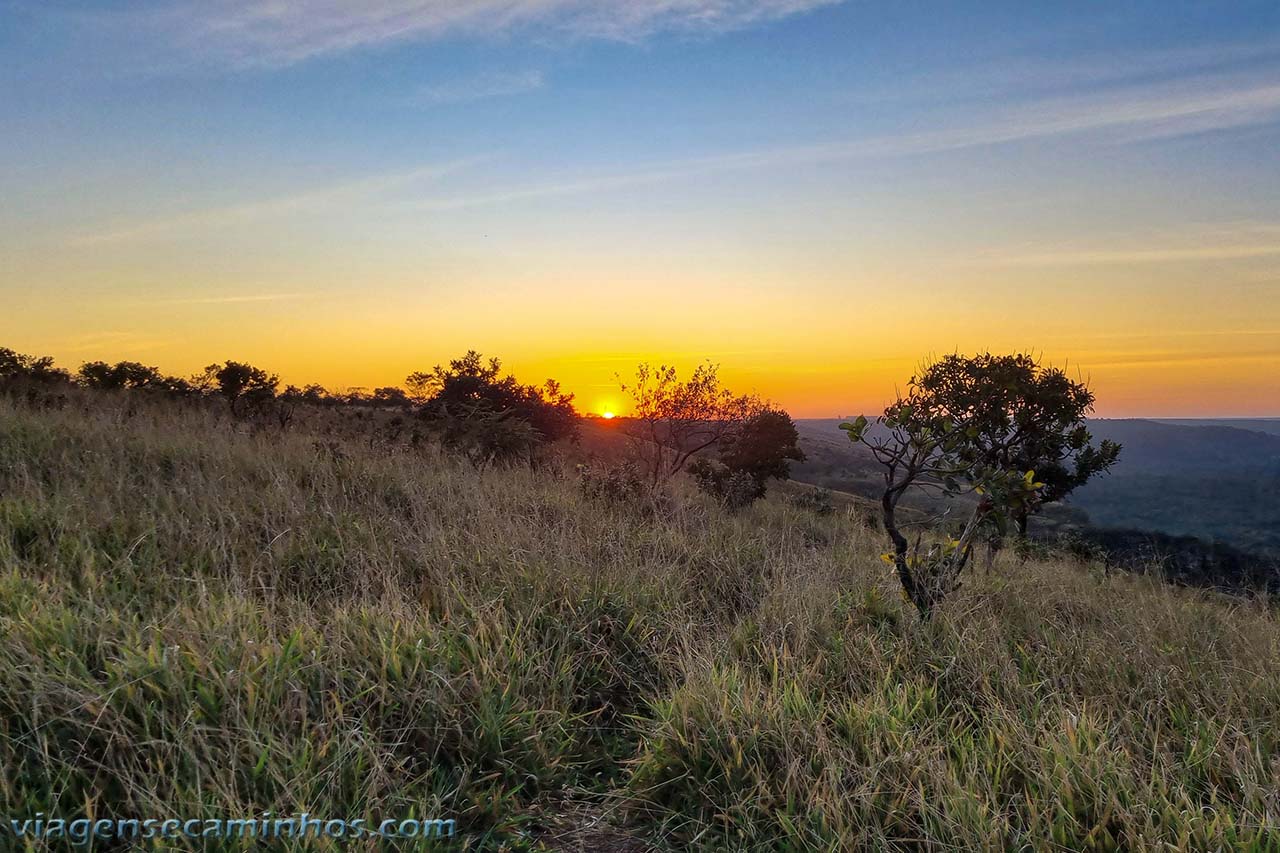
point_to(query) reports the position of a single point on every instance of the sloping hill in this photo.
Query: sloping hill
(207, 623)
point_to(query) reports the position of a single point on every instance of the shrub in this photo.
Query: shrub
(763, 448)
(817, 500)
(736, 489)
(476, 410)
(672, 421)
(618, 484)
(920, 450)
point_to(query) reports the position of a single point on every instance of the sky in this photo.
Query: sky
(814, 194)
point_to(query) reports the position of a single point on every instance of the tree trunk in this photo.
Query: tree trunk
(916, 592)
(994, 543)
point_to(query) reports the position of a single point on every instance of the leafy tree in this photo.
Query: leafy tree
(925, 450)
(1015, 414)
(352, 396)
(30, 371)
(313, 394)
(672, 421)
(122, 374)
(131, 375)
(285, 405)
(764, 447)
(391, 396)
(760, 449)
(239, 384)
(473, 408)
(469, 378)
(175, 386)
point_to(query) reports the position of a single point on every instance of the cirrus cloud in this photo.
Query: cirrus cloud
(492, 84)
(279, 33)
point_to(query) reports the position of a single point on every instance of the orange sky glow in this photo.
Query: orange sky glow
(346, 193)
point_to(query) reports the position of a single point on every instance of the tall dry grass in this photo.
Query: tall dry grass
(200, 622)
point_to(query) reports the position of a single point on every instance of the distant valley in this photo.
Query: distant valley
(1218, 480)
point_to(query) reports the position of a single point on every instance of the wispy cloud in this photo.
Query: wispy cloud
(314, 200)
(230, 300)
(1003, 76)
(493, 84)
(1159, 255)
(1183, 107)
(1228, 240)
(1162, 334)
(1132, 115)
(1163, 359)
(1135, 114)
(115, 341)
(263, 34)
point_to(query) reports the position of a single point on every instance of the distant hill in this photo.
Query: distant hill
(1165, 445)
(1219, 483)
(1205, 479)
(1267, 425)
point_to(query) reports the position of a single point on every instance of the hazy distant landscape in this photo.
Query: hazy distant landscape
(1216, 480)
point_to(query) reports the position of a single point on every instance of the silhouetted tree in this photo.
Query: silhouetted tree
(672, 421)
(473, 408)
(764, 447)
(286, 405)
(241, 385)
(391, 396)
(313, 394)
(467, 380)
(122, 374)
(131, 375)
(28, 372)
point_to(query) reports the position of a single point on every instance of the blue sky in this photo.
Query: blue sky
(815, 193)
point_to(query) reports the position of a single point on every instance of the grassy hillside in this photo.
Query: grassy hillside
(201, 622)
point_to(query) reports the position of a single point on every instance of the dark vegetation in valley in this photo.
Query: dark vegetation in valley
(1219, 483)
(458, 598)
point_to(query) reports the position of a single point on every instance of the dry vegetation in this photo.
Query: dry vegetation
(199, 621)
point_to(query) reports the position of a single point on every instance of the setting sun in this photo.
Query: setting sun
(608, 416)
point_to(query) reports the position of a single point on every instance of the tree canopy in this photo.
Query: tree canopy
(472, 406)
(1015, 414)
(673, 420)
(239, 383)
